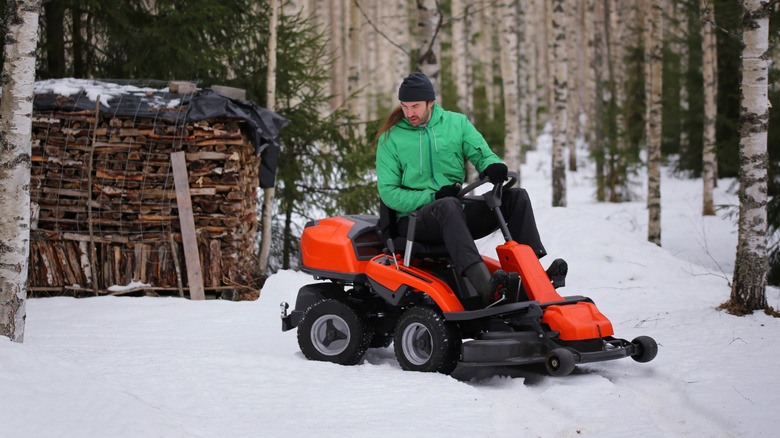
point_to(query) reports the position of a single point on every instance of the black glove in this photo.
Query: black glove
(447, 191)
(496, 173)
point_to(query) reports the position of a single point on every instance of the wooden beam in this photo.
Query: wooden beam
(187, 223)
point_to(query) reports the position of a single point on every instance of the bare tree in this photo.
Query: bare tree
(270, 102)
(709, 72)
(654, 62)
(748, 290)
(561, 96)
(21, 39)
(429, 20)
(507, 12)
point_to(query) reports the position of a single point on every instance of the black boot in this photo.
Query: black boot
(486, 285)
(557, 272)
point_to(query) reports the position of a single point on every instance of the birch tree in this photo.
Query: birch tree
(18, 79)
(508, 41)
(428, 43)
(559, 111)
(748, 290)
(270, 102)
(709, 72)
(597, 150)
(654, 61)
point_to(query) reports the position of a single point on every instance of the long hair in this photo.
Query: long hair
(395, 116)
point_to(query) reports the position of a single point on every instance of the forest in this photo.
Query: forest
(641, 83)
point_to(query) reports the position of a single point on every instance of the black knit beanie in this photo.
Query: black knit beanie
(416, 88)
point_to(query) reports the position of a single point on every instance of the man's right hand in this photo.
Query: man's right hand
(451, 190)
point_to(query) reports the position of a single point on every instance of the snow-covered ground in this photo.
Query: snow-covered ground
(169, 367)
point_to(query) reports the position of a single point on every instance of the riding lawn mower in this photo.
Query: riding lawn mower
(374, 297)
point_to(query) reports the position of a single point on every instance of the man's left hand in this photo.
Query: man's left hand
(496, 173)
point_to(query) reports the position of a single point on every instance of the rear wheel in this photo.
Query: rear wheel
(646, 348)
(424, 341)
(331, 331)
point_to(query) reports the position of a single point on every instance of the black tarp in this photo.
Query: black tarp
(264, 125)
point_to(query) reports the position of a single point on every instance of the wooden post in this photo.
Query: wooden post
(175, 254)
(187, 223)
(92, 252)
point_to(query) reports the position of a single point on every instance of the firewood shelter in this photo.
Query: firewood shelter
(145, 190)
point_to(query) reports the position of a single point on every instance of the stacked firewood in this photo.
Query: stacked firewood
(105, 211)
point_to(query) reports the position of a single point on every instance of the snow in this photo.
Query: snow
(169, 367)
(106, 91)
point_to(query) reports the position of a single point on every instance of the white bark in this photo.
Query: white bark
(561, 96)
(270, 102)
(507, 13)
(748, 290)
(530, 39)
(429, 41)
(709, 72)
(653, 79)
(21, 39)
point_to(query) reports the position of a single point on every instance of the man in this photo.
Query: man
(419, 163)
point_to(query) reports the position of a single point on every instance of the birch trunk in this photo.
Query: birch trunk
(353, 66)
(508, 41)
(270, 102)
(21, 39)
(531, 31)
(559, 110)
(461, 41)
(709, 71)
(682, 48)
(654, 60)
(597, 11)
(574, 82)
(522, 81)
(428, 41)
(748, 291)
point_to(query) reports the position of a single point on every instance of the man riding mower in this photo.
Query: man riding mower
(435, 318)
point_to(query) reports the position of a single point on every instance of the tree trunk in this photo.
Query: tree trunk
(270, 102)
(559, 110)
(530, 38)
(709, 71)
(748, 291)
(21, 39)
(507, 13)
(596, 9)
(524, 137)
(54, 15)
(653, 78)
(461, 41)
(428, 41)
(574, 82)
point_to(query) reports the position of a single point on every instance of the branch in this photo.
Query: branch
(379, 31)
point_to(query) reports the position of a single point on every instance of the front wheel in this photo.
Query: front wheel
(331, 331)
(646, 348)
(560, 362)
(425, 342)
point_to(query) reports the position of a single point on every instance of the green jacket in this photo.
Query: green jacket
(413, 163)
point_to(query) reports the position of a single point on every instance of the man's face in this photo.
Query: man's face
(417, 113)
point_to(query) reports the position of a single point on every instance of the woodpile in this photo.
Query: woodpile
(105, 210)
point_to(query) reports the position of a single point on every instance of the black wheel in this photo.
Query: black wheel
(646, 349)
(560, 362)
(331, 331)
(424, 341)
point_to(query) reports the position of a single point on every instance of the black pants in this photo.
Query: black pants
(447, 221)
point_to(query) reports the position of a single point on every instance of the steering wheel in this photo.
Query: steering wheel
(495, 193)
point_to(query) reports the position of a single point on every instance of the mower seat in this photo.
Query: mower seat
(388, 230)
